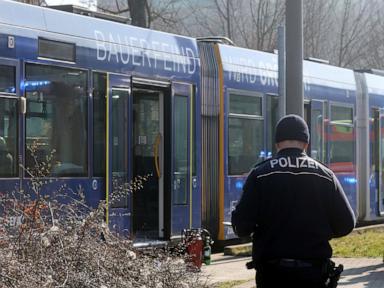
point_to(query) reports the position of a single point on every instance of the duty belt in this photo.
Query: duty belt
(296, 263)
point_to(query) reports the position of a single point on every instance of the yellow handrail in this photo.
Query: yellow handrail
(156, 154)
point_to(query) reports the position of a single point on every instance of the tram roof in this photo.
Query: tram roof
(320, 73)
(23, 15)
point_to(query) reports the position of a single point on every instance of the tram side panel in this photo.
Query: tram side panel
(249, 80)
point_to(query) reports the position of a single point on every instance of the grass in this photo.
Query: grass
(360, 243)
(230, 284)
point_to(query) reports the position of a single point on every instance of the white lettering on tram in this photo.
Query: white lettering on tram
(248, 70)
(140, 52)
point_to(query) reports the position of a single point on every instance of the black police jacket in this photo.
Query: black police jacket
(292, 205)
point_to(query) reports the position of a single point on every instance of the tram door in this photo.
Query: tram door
(117, 153)
(378, 158)
(148, 155)
(162, 153)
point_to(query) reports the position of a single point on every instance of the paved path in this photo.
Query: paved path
(358, 272)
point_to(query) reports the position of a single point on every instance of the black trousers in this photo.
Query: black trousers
(281, 276)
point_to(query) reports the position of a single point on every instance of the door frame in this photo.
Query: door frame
(118, 82)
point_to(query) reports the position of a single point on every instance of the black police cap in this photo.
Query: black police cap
(292, 127)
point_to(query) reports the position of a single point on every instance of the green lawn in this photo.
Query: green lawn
(230, 284)
(364, 243)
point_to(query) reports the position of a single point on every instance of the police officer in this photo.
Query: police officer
(292, 206)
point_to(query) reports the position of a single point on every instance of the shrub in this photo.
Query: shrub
(56, 240)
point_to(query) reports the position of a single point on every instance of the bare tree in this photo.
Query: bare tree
(266, 17)
(167, 15)
(225, 11)
(375, 44)
(319, 24)
(139, 11)
(145, 13)
(352, 36)
(249, 23)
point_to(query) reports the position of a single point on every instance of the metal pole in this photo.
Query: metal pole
(294, 54)
(282, 62)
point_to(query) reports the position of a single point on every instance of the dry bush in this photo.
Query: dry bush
(56, 240)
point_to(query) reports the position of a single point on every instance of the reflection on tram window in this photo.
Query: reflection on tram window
(341, 139)
(7, 79)
(8, 137)
(56, 118)
(245, 133)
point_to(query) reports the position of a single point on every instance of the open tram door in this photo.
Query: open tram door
(117, 153)
(148, 153)
(149, 136)
(161, 152)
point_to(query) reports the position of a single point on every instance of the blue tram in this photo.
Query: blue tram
(240, 107)
(116, 101)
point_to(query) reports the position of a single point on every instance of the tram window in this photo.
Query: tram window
(245, 133)
(340, 135)
(244, 105)
(7, 79)
(181, 149)
(99, 92)
(8, 138)
(56, 118)
(57, 50)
